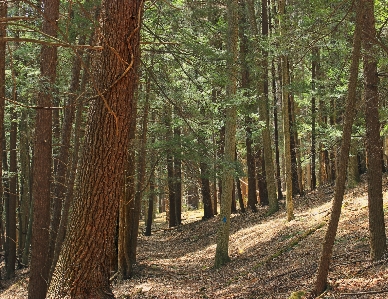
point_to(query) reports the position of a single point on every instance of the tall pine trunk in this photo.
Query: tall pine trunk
(83, 267)
(41, 187)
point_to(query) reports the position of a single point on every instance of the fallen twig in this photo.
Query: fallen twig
(364, 293)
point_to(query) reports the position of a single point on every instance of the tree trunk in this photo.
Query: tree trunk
(263, 102)
(245, 84)
(377, 235)
(323, 270)
(205, 191)
(261, 177)
(63, 157)
(13, 198)
(222, 255)
(25, 192)
(314, 78)
(178, 173)
(83, 267)
(40, 268)
(3, 33)
(78, 136)
(276, 132)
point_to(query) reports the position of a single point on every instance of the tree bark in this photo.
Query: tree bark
(12, 199)
(222, 255)
(377, 235)
(40, 268)
(323, 270)
(83, 267)
(314, 78)
(63, 158)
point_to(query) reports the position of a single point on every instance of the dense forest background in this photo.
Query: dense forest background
(113, 112)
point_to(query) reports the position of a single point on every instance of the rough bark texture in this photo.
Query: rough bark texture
(63, 158)
(222, 255)
(39, 273)
(83, 267)
(323, 270)
(378, 243)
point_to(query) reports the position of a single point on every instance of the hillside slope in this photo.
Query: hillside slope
(271, 258)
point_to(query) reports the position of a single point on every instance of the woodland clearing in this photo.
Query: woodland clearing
(270, 257)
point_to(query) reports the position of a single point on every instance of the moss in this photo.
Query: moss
(297, 295)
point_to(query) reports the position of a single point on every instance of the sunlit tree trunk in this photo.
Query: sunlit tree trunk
(286, 126)
(222, 255)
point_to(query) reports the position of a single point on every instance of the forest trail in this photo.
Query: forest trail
(270, 257)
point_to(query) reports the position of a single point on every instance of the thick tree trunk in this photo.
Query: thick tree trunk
(83, 267)
(377, 235)
(40, 268)
(323, 270)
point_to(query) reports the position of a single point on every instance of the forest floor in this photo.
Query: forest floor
(270, 257)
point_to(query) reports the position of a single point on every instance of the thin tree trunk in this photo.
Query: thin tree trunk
(178, 172)
(63, 158)
(314, 78)
(245, 84)
(222, 255)
(323, 270)
(25, 192)
(13, 199)
(78, 136)
(276, 133)
(264, 102)
(3, 33)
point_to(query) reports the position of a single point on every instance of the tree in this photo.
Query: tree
(263, 101)
(3, 32)
(222, 255)
(286, 127)
(39, 272)
(327, 249)
(374, 156)
(83, 267)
